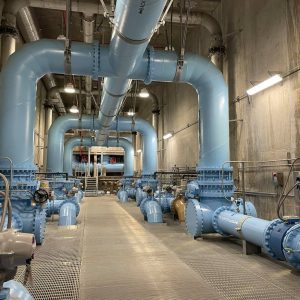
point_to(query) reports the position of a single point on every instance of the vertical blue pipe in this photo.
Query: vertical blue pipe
(128, 153)
(18, 87)
(68, 151)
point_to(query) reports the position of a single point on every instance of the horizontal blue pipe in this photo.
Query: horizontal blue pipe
(81, 167)
(70, 121)
(242, 226)
(112, 142)
(67, 214)
(17, 94)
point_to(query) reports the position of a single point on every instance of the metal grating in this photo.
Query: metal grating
(56, 267)
(234, 281)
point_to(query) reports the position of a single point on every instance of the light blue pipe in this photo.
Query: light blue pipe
(133, 28)
(17, 291)
(149, 140)
(114, 168)
(68, 151)
(128, 153)
(212, 98)
(18, 90)
(112, 142)
(151, 210)
(70, 121)
(67, 214)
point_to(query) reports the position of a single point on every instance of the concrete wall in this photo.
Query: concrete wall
(260, 37)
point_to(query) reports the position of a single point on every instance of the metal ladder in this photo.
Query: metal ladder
(91, 186)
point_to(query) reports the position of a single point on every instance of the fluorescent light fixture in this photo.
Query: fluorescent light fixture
(131, 112)
(167, 135)
(69, 88)
(264, 85)
(74, 109)
(144, 93)
(139, 150)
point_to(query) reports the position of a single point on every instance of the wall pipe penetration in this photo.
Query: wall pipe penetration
(111, 142)
(211, 190)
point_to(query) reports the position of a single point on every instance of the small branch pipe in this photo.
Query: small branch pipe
(112, 142)
(67, 214)
(64, 123)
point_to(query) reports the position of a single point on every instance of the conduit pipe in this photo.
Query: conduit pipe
(88, 23)
(133, 28)
(112, 142)
(67, 122)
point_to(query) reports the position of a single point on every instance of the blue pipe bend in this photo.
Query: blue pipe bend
(151, 211)
(68, 213)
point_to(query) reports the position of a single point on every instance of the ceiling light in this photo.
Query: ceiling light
(167, 135)
(69, 88)
(131, 112)
(139, 150)
(144, 93)
(74, 109)
(264, 85)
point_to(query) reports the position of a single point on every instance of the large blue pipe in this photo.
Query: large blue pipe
(70, 121)
(128, 153)
(18, 90)
(112, 168)
(112, 142)
(134, 24)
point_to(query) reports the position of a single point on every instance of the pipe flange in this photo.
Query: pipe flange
(39, 225)
(194, 219)
(292, 240)
(150, 68)
(267, 235)
(96, 60)
(215, 218)
(72, 202)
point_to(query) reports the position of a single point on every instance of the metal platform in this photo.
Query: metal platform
(114, 254)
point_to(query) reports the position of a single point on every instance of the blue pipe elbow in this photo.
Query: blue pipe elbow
(17, 291)
(151, 211)
(67, 214)
(123, 196)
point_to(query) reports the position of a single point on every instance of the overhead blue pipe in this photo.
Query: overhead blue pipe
(134, 25)
(62, 124)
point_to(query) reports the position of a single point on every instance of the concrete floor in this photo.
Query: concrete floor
(114, 254)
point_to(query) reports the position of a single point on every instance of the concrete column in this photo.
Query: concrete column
(48, 123)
